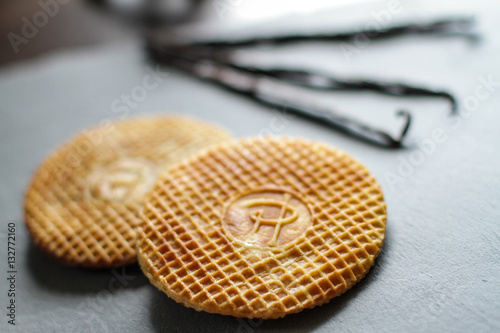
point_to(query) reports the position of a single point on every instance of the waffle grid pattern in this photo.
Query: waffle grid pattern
(79, 229)
(185, 252)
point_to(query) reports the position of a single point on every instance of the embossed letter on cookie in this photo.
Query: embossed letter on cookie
(266, 219)
(122, 180)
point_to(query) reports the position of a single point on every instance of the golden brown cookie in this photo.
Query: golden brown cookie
(261, 227)
(83, 204)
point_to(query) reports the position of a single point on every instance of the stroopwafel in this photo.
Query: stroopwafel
(83, 203)
(261, 227)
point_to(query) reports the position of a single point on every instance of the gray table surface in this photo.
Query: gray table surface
(439, 268)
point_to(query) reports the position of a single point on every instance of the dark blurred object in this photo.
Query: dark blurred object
(33, 27)
(30, 28)
(151, 13)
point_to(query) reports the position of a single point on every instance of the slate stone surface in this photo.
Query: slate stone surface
(439, 269)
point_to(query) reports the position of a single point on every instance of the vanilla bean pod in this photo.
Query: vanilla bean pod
(450, 26)
(213, 60)
(250, 85)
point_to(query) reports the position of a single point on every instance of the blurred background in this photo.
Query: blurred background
(97, 29)
(80, 23)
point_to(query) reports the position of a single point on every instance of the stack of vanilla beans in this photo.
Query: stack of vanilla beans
(216, 61)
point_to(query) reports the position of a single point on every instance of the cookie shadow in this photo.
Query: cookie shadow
(168, 316)
(51, 275)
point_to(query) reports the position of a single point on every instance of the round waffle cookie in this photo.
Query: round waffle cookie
(83, 204)
(261, 227)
